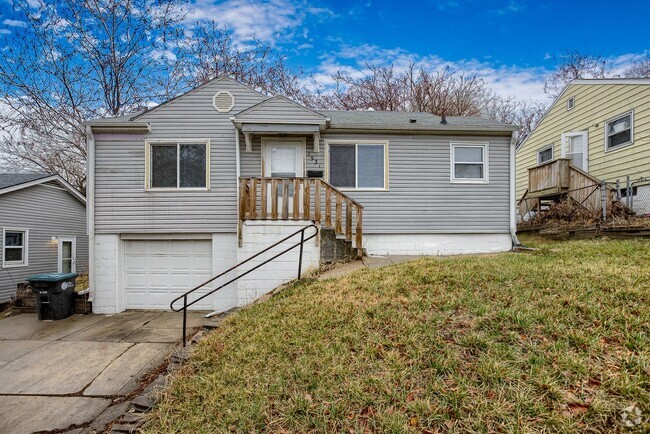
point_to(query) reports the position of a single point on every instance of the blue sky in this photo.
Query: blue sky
(510, 43)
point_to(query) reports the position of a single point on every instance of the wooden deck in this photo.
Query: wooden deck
(301, 199)
(559, 179)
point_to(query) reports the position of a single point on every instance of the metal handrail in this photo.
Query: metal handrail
(303, 240)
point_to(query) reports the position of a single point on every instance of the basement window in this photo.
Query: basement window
(14, 247)
(545, 154)
(180, 165)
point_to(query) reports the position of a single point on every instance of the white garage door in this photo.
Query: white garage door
(161, 270)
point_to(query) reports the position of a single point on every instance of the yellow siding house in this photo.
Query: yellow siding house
(602, 126)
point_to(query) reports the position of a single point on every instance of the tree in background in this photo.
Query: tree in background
(74, 61)
(575, 65)
(640, 68)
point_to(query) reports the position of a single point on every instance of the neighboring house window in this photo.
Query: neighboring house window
(358, 165)
(571, 102)
(619, 131)
(469, 163)
(178, 165)
(14, 247)
(545, 154)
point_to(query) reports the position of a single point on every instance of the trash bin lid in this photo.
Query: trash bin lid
(51, 277)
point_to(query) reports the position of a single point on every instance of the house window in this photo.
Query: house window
(178, 165)
(469, 163)
(14, 247)
(571, 102)
(619, 131)
(358, 165)
(545, 154)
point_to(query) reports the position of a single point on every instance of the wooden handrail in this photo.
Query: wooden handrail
(300, 198)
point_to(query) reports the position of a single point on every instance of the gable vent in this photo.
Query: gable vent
(223, 101)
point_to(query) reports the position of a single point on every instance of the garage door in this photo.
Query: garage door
(157, 271)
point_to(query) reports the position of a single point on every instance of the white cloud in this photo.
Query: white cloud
(14, 23)
(521, 82)
(270, 21)
(5, 32)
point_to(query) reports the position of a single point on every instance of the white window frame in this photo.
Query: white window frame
(25, 261)
(177, 143)
(357, 143)
(571, 103)
(585, 141)
(73, 240)
(614, 119)
(486, 163)
(545, 148)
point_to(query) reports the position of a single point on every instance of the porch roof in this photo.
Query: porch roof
(280, 129)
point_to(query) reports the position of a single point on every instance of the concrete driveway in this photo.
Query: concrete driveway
(61, 374)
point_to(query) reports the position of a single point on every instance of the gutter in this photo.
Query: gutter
(109, 127)
(90, 208)
(513, 216)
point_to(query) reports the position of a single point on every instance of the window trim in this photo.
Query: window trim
(177, 142)
(356, 143)
(486, 163)
(25, 247)
(570, 107)
(545, 148)
(585, 152)
(59, 257)
(614, 119)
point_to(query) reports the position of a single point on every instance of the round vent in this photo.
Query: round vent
(223, 101)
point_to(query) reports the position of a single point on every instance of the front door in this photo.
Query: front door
(67, 255)
(283, 158)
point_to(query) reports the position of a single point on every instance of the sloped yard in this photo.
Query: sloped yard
(556, 340)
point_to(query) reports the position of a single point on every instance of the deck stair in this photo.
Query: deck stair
(556, 180)
(337, 215)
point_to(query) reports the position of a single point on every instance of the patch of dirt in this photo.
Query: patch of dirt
(568, 214)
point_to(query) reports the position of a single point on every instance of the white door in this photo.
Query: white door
(157, 271)
(575, 146)
(283, 158)
(67, 257)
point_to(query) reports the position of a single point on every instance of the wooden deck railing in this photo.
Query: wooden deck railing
(548, 178)
(301, 199)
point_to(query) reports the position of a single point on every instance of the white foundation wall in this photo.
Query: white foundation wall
(106, 275)
(256, 236)
(435, 244)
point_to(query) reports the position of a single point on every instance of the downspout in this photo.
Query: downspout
(237, 164)
(513, 215)
(90, 208)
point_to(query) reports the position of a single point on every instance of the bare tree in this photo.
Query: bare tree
(75, 60)
(574, 65)
(640, 68)
(210, 51)
(524, 114)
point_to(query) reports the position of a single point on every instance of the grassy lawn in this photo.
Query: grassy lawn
(554, 340)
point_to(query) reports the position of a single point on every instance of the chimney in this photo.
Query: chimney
(444, 119)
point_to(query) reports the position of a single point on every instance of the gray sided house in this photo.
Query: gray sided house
(181, 192)
(43, 224)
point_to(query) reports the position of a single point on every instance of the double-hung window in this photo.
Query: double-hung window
(14, 247)
(619, 131)
(469, 163)
(178, 165)
(358, 165)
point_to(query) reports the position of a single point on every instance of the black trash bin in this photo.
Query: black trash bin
(54, 294)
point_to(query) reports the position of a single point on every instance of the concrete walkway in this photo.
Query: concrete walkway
(367, 262)
(59, 374)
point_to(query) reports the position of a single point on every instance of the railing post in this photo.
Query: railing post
(302, 241)
(184, 320)
(348, 220)
(627, 191)
(359, 234)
